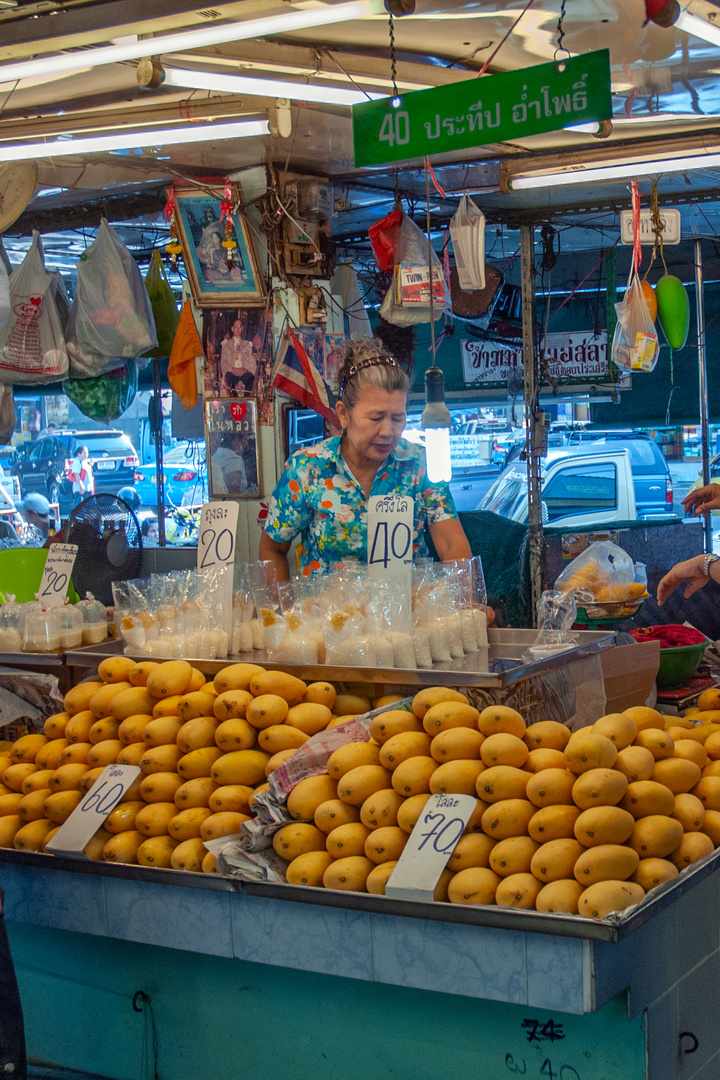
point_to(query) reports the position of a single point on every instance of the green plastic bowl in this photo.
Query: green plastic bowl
(21, 571)
(677, 666)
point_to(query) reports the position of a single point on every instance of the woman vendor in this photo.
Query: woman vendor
(322, 494)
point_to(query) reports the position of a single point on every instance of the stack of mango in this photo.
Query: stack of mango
(584, 823)
(204, 748)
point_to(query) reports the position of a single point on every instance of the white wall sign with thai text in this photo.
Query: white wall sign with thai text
(570, 356)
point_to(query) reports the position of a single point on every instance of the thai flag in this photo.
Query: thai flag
(296, 375)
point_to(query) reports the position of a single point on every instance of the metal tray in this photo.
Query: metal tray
(499, 665)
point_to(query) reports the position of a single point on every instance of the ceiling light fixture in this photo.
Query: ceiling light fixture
(698, 27)
(652, 163)
(242, 84)
(134, 140)
(191, 39)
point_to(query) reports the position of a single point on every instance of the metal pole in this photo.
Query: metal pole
(156, 426)
(531, 389)
(702, 375)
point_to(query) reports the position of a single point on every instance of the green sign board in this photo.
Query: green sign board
(496, 108)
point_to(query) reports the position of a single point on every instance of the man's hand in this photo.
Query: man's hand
(691, 571)
(703, 501)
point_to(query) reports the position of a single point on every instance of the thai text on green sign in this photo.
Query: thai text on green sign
(496, 108)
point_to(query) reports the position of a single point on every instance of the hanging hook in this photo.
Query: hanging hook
(560, 37)
(395, 100)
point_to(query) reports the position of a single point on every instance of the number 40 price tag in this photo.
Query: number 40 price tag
(85, 820)
(56, 575)
(431, 844)
(390, 536)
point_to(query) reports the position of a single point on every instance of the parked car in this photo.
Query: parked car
(10, 483)
(650, 472)
(581, 488)
(44, 465)
(185, 473)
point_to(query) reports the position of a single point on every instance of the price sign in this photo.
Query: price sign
(56, 575)
(85, 820)
(390, 536)
(218, 526)
(431, 844)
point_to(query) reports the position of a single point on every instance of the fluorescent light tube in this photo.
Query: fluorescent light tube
(701, 28)
(189, 39)
(241, 84)
(613, 170)
(134, 140)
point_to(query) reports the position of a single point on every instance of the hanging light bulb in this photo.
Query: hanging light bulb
(437, 422)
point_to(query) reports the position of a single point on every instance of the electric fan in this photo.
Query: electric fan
(109, 544)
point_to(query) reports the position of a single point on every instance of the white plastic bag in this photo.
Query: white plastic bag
(32, 341)
(113, 315)
(407, 301)
(467, 230)
(635, 341)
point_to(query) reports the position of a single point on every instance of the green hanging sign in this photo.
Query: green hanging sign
(496, 108)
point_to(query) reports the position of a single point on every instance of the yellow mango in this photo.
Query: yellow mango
(154, 819)
(196, 733)
(25, 749)
(308, 869)
(232, 704)
(380, 809)
(138, 674)
(123, 847)
(555, 860)
(160, 759)
(236, 677)
(78, 727)
(101, 702)
(560, 896)
(78, 699)
(10, 825)
(604, 897)
(170, 678)
(334, 812)
(160, 787)
(309, 717)
(161, 731)
(476, 885)
(226, 823)
(297, 839)
(59, 806)
(198, 762)
(322, 693)
(279, 737)
(266, 710)
(393, 722)
(185, 824)
(307, 796)
(54, 726)
(30, 807)
(30, 837)
(67, 777)
(349, 874)
(195, 792)
(352, 756)
(49, 756)
(456, 777)
(384, 844)
(132, 754)
(189, 856)
(518, 891)
(240, 767)
(279, 684)
(434, 695)
(348, 839)
(131, 729)
(104, 753)
(157, 851)
(197, 703)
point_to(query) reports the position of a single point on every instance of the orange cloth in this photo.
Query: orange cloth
(182, 374)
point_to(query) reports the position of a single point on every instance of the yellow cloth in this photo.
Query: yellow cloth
(182, 374)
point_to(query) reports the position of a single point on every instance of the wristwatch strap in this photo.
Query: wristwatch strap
(707, 563)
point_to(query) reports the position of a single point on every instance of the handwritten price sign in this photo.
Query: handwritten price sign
(56, 575)
(85, 820)
(431, 844)
(390, 536)
(218, 526)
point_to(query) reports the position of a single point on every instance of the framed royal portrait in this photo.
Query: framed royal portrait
(214, 280)
(231, 439)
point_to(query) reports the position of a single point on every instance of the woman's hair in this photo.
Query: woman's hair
(367, 363)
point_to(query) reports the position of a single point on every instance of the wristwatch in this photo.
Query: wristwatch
(707, 563)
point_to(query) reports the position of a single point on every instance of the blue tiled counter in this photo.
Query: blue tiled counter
(71, 929)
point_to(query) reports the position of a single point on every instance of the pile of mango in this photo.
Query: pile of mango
(584, 823)
(205, 749)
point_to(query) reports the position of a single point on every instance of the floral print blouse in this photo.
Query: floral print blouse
(318, 497)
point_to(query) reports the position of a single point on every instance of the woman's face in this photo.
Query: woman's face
(374, 426)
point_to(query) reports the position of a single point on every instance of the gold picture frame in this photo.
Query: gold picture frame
(233, 452)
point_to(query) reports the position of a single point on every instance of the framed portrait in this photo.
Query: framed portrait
(213, 282)
(238, 346)
(231, 439)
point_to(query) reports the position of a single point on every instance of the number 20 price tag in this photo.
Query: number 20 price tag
(431, 844)
(218, 526)
(390, 536)
(85, 820)
(56, 575)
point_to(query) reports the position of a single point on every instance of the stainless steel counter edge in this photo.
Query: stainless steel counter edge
(514, 640)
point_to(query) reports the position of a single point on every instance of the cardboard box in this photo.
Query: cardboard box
(629, 672)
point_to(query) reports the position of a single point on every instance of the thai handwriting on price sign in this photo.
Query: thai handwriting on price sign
(56, 575)
(390, 535)
(218, 526)
(107, 791)
(431, 844)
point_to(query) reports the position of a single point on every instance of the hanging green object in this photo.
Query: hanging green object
(106, 397)
(163, 305)
(673, 305)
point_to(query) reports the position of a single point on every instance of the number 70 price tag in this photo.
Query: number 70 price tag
(431, 844)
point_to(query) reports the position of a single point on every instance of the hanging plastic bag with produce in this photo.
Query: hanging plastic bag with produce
(602, 572)
(635, 342)
(114, 314)
(106, 397)
(164, 308)
(407, 301)
(32, 341)
(383, 235)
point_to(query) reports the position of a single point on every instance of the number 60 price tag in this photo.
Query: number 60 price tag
(85, 820)
(431, 844)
